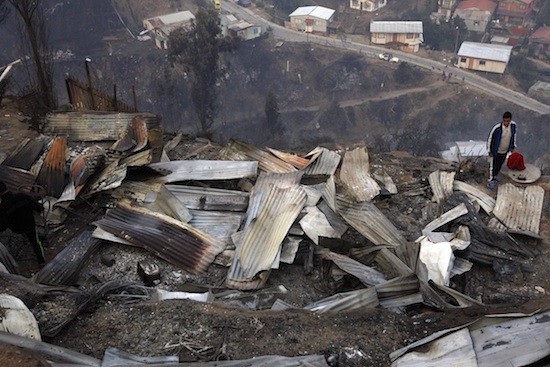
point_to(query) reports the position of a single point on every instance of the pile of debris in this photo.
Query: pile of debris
(225, 224)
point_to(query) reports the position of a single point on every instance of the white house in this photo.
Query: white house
(403, 35)
(311, 19)
(367, 5)
(484, 57)
(160, 27)
(233, 27)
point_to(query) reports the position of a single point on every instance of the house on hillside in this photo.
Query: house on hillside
(477, 14)
(539, 42)
(445, 8)
(311, 19)
(160, 27)
(403, 35)
(367, 5)
(484, 57)
(233, 27)
(516, 12)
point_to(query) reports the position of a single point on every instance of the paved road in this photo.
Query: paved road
(474, 80)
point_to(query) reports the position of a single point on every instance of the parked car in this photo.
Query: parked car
(394, 59)
(244, 3)
(385, 56)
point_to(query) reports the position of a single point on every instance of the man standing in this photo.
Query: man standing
(502, 139)
(16, 213)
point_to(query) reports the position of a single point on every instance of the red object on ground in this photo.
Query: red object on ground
(516, 162)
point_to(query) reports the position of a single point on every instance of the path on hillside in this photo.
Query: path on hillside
(468, 77)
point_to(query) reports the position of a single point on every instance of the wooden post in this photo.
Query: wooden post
(134, 96)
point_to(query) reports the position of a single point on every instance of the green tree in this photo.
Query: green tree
(272, 113)
(198, 52)
(31, 14)
(443, 36)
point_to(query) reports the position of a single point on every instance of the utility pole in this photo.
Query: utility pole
(89, 76)
(456, 41)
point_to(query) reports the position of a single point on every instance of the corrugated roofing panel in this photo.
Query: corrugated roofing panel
(315, 225)
(134, 137)
(210, 199)
(16, 178)
(52, 174)
(94, 126)
(355, 175)
(205, 170)
(445, 218)
(314, 11)
(441, 184)
(347, 301)
(484, 200)
(276, 201)
(25, 155)
(237, 150)
(367, 275)
(182, 16)
(520, 209)
(396, 27)
(325, 164)
(64, 268)
(368, 220)
(485, 51)
(295, 160)
(174, 241)
(221, 225)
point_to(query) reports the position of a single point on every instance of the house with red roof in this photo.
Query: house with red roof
(516, 12)
(477, 14)
(539, 42)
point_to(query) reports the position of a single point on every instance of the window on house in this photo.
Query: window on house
(481, 62)
(410, 35)
(462, 59)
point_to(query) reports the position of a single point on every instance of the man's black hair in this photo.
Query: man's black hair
(507, 115)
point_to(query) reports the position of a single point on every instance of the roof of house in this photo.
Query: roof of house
(182, 16)
(314, 11)
(483, 5)
(396, 27)
(485, 51)
(542, 33)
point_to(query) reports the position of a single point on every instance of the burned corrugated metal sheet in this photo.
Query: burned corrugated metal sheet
(139, 159)
(266, 361)
(16, 179)
(85, 98)
(110, 178)
(221, 225)
(520, 208)
(85, 165)
(65, 267)
(392, 264)
(134, 137)
(237, 150)
(168, 204)
(52, 175)
(204, 170)
(335, 221)
(355, 175)
(325, 164)
(95, 126)
(315, 225)
(445, 218)
(26, 154)
(365, 274)
(441, 183)
(7, 260)
(368, 220)
(136, 190)
(174, 241)
(484, 200)
(329, 194)
(382, 176)
(276, 201)
(295, 160)
(399, 292)
(210, 199)
(347, 301)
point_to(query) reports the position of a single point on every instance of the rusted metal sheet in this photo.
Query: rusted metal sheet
(95, 125)
(368, 220)
(139, 159)
(355, 175)
(16, 179)
(520, 208)
(110, 177)
(26, 154)
(171, 240)
(134, 137)
(204, 170)
(168, 204)
(236, 150)
(275, 202)
(84, 99)
(85, 165)
(221, 225)
(64, 268)
(441, 183)
(315, 224)
(325, 164)
(52, 174)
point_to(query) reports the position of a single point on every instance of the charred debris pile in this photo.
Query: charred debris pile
(224, 218)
